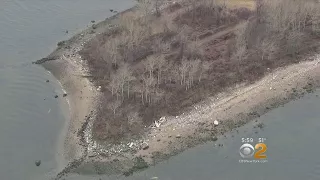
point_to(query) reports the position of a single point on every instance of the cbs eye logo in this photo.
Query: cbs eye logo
(258, 152)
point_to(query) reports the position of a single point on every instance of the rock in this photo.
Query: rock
(111, 10)
(93, 21)
(158, 140)
(38, 162)
(56, 96)
(65, 94)
(145, 146)
(67, 31)
(178, 136)
(47, 80)
(214, 138)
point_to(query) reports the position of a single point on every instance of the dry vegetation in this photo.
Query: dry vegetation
(158, 63)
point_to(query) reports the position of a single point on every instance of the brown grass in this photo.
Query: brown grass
(161, 66)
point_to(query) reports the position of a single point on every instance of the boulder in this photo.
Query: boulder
(38, 162)
(214, 138)
(56, 96)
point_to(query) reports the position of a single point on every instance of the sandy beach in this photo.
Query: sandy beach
(171, 135)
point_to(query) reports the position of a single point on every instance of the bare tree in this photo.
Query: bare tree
(161, 47)
(239, 54)
(113, 86)
(124, 75)
(157, 7)
(148, 86)
(194, 68)
(205, 66)
(114, 105)
(241, 35)
(112, 48)
(294, 42)
(161, 62)
(183, 69)
(133, 118)
(267, 48)
(150, 64)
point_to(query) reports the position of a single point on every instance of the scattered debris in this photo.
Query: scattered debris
(131, 144)
(162, 119)
(157, 124)
(216, 123)
(145, 146)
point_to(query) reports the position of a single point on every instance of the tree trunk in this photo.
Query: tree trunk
(128, 89)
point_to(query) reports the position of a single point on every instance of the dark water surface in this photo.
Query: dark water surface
(29, 125)
(292, 136)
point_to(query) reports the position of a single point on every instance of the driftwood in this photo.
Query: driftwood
(43, 60)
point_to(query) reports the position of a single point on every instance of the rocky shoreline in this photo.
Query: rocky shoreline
(169, 135)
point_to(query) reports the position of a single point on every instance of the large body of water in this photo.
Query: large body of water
(29, 125)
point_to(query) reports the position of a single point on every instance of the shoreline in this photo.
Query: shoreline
(239, 104)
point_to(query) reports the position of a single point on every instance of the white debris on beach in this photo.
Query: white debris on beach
(216, 123)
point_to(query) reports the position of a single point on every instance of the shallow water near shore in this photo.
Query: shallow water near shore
(32, 120)
(291, 134)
